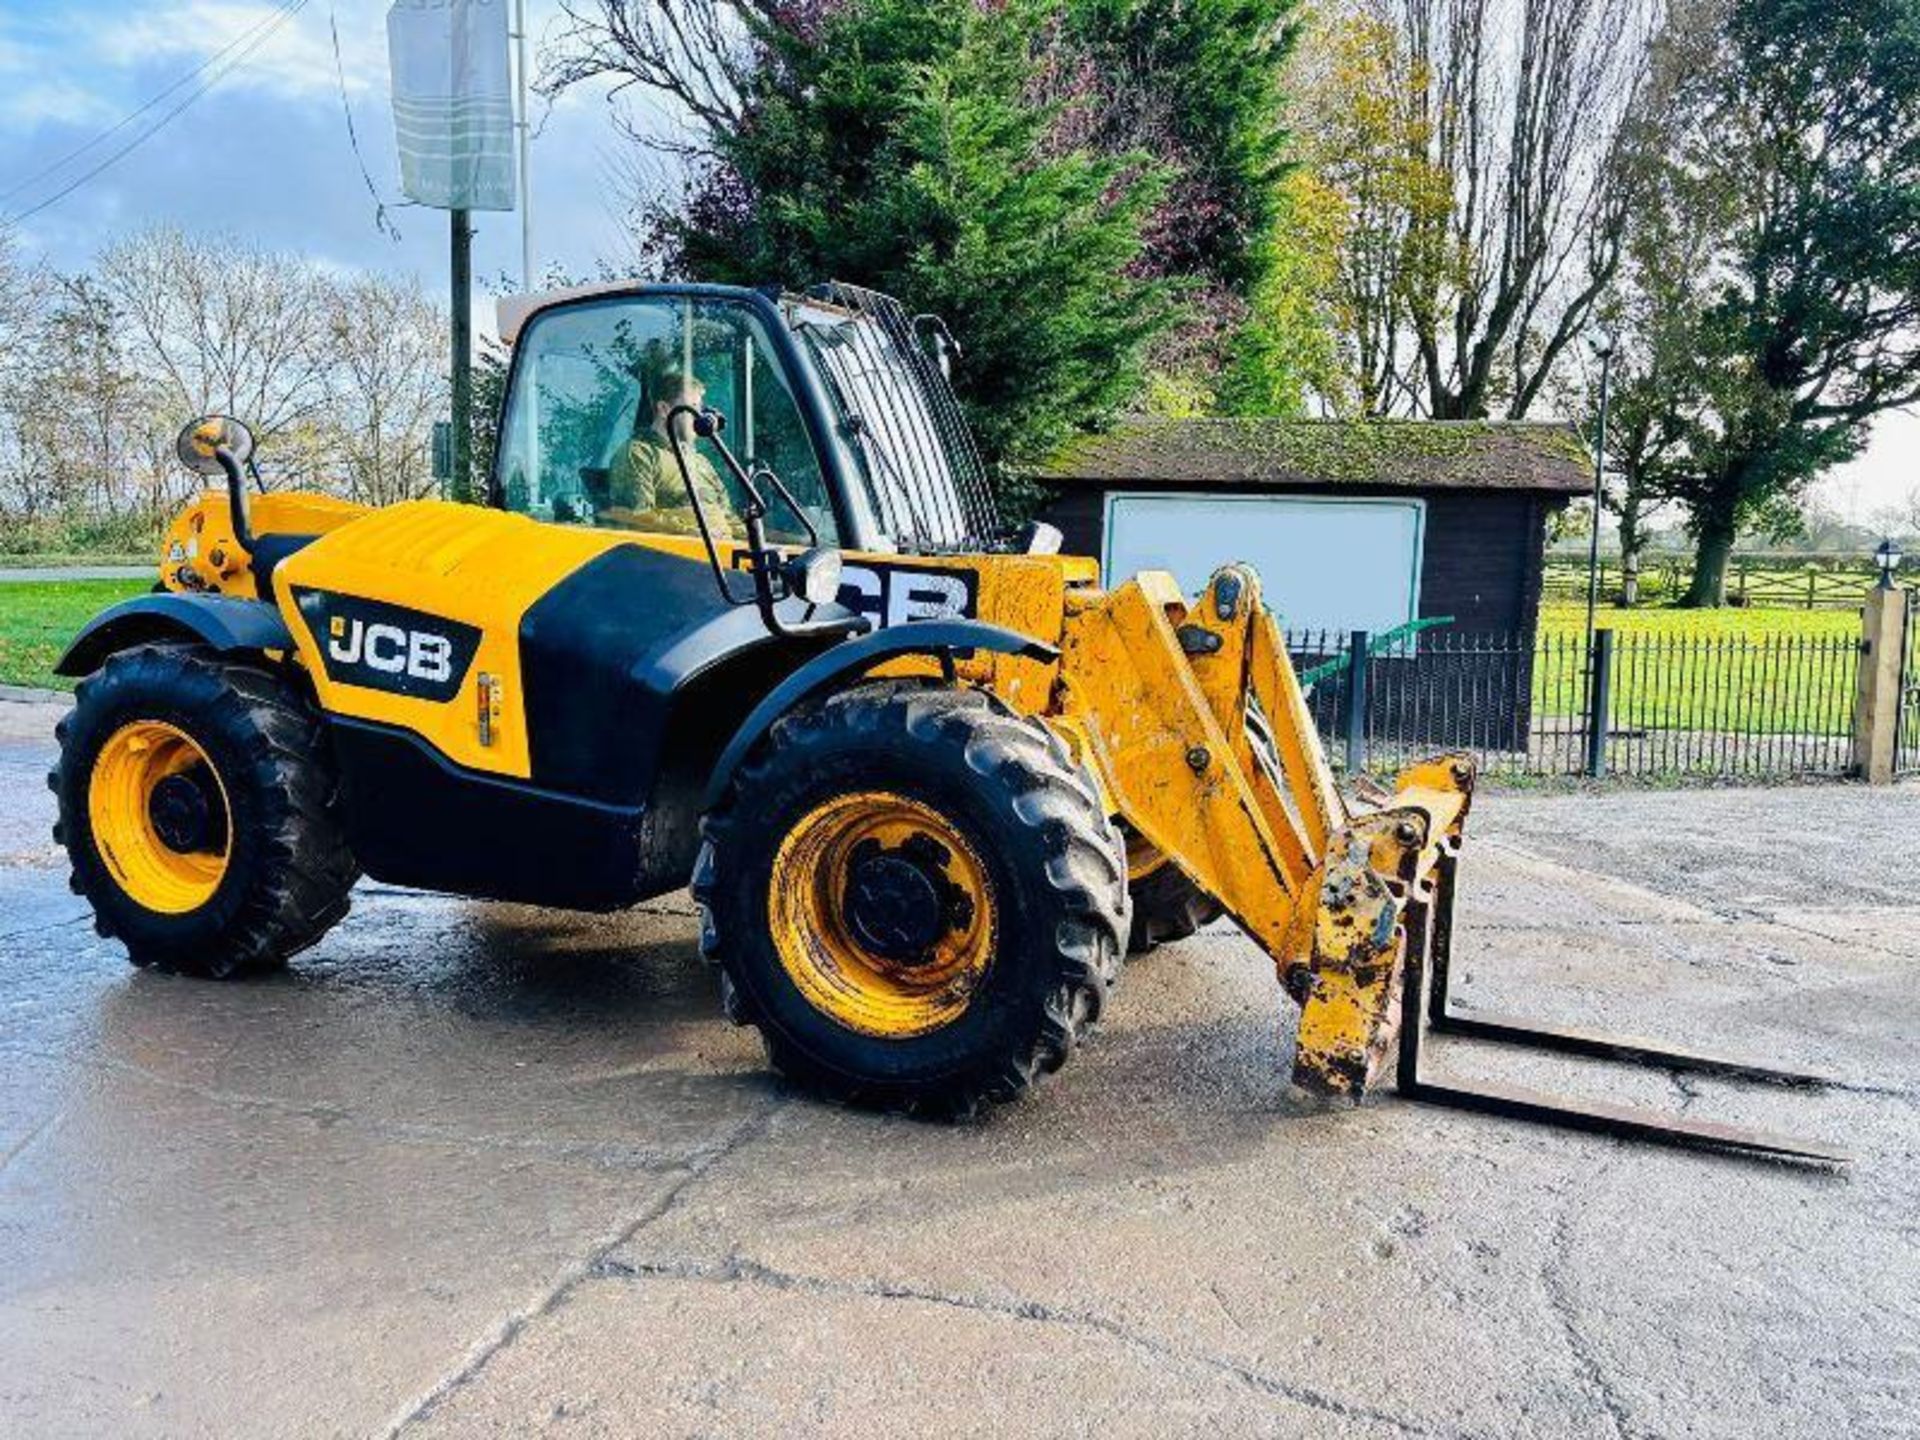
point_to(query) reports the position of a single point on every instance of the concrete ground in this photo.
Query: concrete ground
(476, 1170)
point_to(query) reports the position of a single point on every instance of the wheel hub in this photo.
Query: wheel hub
(899, 902)
(187, 817)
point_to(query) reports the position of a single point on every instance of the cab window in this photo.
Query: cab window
(588, 438)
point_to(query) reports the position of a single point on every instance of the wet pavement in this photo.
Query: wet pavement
(484, 1170)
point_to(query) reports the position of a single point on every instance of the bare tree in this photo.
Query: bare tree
(386, 341)
(341, 377)
(1486, 166)
(700, 54)
(229, 327)
(1902, 517)
(27, 488)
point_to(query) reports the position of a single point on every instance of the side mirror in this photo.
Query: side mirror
(200, 441)
(221, 445)
(1039, 538)
(814, 576)
(937, 338)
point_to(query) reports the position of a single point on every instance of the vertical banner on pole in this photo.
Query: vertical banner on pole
(453, 113)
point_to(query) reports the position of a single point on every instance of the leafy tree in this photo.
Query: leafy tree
(898, 146)
(1368, 153)
(1798, 156)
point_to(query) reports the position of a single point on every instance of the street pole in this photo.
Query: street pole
(525, 127)
(460, 484)
(1599, 494)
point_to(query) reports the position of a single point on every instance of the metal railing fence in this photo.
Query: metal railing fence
(1704, 706)
(1906, 744)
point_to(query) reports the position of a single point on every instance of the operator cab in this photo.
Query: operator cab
(837, 393)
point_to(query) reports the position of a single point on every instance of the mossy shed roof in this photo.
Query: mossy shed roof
(1400, 454)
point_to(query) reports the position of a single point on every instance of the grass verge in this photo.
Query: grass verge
(38, 619)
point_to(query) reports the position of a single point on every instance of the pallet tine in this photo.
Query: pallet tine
(1505, 1029)
(1429, 938)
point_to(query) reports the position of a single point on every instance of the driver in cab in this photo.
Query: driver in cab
(644, 488)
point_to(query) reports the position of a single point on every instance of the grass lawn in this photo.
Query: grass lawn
(39, 618)
(1745, 671)
(1560, 618)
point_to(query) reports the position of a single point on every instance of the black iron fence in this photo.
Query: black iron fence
(1647, 705)
(1906, 745)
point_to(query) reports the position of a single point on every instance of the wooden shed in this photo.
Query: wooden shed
(1351, 524)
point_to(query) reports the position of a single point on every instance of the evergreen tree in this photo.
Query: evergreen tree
(910, 145)
(1199, 84)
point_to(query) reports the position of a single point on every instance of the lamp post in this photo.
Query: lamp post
(1887, 557)
(1602, 344)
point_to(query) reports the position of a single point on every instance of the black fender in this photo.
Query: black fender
(217, 621)
(832, 668)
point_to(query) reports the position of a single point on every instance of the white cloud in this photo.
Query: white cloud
(53, 101)
(295, 61)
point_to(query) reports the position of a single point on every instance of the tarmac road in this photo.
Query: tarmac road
(483, 1170)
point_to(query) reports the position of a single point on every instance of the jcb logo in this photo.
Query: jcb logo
(420, 653)
(898, 594)
(389, 647)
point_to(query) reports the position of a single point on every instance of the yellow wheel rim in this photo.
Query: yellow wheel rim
(882, 914)
(160, 816)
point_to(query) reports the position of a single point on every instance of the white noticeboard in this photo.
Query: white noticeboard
(452, 102)
(1325, 562)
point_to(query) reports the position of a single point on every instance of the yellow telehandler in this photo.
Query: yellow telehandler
(741, 615)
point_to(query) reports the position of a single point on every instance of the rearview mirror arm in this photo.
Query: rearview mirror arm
(236, 497)
(763, 561)
(693, 499)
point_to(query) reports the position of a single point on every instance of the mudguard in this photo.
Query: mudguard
(849, 658)
(226, 625)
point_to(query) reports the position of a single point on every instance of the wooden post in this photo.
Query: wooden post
(1876, 715)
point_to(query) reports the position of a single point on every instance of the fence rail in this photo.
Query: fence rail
(1823, 583)
(1652, 706)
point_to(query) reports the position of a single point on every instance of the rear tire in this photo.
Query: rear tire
(242, 862)
(1167, 906)
(879, 1005)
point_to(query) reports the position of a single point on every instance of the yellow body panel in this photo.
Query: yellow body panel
(1022, 592)
(199, 552)
(485, 568)
(480, 567)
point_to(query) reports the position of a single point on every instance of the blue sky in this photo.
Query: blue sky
(264, 154)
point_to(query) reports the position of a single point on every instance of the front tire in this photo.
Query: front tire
(196, 807)
(917, 898)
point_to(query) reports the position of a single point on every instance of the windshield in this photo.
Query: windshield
(591, 424)
(923, 475)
